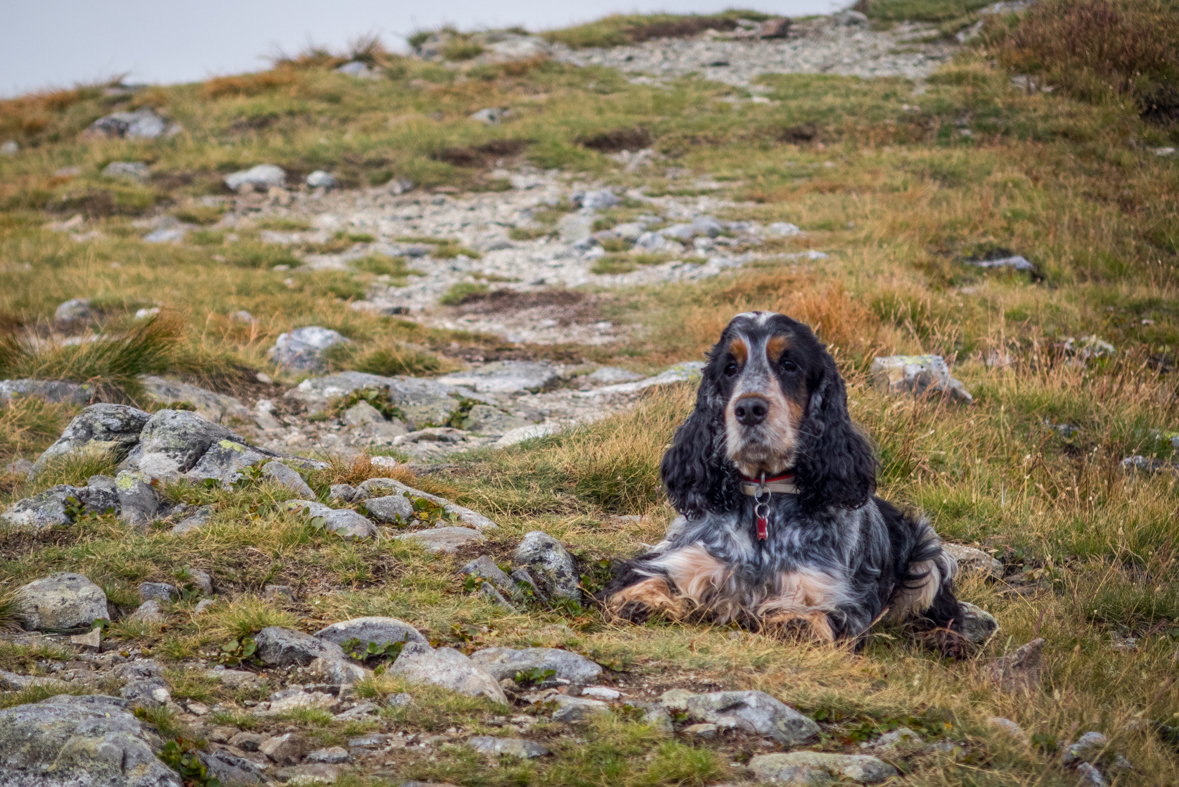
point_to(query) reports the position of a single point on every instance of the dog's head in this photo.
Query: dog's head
(771, 402)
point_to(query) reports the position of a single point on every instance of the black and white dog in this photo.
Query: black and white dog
(779, 525)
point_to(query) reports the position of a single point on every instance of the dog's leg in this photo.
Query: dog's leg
(928, 589)
(805, 602)
(674, 585)
(650, 598)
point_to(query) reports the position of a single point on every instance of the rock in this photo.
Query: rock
(129, 170)
(489, 592)
(775, 27)
(90, 741)
(342, 493)
(233, 678)
(486, 420)
(545, 556)
(1088, 748)
(805, 768)
(52, 391)
(507, 377)
(1088, 347)
(320, 179)
(971, 560)
(61, 601)
(900, 742)
(491, 116)
(145, 684)
(333, 755)
(917, 374)
(653, 241)
(160, 591)
(752, 711)
(356, 68)
(577, 710)
(346, 523)
(371, 630)
(101, 428)
(314, 773)
(361, 414)
(18, 467)
(209, 405)
(657, 717)
(90, 641)
(1018, 672)
(703, 731)
(522, 578)
(782, 229)
(143, 123)
(289, 700)
(203, 606)
(979, 625)
(376, 487)
(278, 592)
(138, 501)
(849, 19)
(601, 693)
(596, 200)
(485, 568)
(567, 667)
(173, 441)
(73, 310)
(10, 147)
(194, 522)
(285, 476)
(1015, 262)
(229, 768)
(339, 673)
(1009, 728)
(1090, 775)
(511, 747)
(523, 433)
(200, 580)
(681, 372)
(607, 375)
(443, 539)
(263, 176)
(279, 647)
(44, 510)
(447, 668)
(390, 509)
(285, 749)
(302, 348)
(149, 612)
(309, 508)
(421, 402)
(227, 460)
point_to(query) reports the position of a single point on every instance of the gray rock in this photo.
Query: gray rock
(346, 523)
(1018, 672)
(447, 668)
(971, 560)
(521, 576)
(309, 507)
(310, 774)
(333, 755)
(79, 741)
(979, 625)
(491, 116)
(138, 502)
(507, 377)
(568, 667)
(489, 592)
(320, 179)
(227, 460)
(141, 124)
(485, 568)
(703, 731)
(421, 402)
(782, 229)
(112, 429)
(173, 441)
(10, 147)
(681, 372)
(597, 200)
(443, 539)
(917, 374)
(901, 741)
(20, 467)
(279, 647)
(753, 711)
(263, 176)
(343, 493)
(1088, 748)
(160, 591)
(194, 522)
(1090, 775)
(549, 561)
(285, 749)
(335, 672)
(61, 601)
(285, 476)
(808, 768)
(209, 405)
(575, 228)
(127, 170)
(371, 630)
(1015, 262)
(680, 232)
(203, 606)
(377, 487)
(149, 612)
(523, 433)
(511, 747)
(487, 420)
(577, 710)
(144, 684)
(73, 310)
(850, 19)
(361, 414)
(1009, 728)
(607, 375)
(390, 509)
(302, 349)
(201, 580)
(47, 509)
(230, 768)
(653, 241)
(52, 391)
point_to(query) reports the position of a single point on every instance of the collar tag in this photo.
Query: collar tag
(779, 485)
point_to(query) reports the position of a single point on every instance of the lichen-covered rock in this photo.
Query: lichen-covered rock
(809, 768)
(209, 405)
(752, 711)
(371, 630)
(61, 601)
(52, 391)
(917, 374)
(302, 349)
(377, 487)
(112, 429)
(144, 684)
(86, 741)
(161, 591)
(281, 647)
(443, 539)
(226, 462)
(138, 501)
(551, 564)
(422, 403)
(568, 667)
(173, 441)
(46, 509)
(448, 668)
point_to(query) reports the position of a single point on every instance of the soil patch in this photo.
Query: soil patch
(480, 155)
(619, 139)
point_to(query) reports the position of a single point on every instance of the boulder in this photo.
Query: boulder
(302, 349)
(52, 391)
(507, 377)
(448, 668)
(376, 487)
(979, 625)
(420, 402)
(82, 741)
(371, 630)
(549, 561)
(346, 523)
(61, 601)
(280, 647)
(209, 405)
(443, 539)
(262, 177)
(112, 429)
(567, 667)
(143, 123)
(173, 441)
(755, 712)
(390, 509)
(971, 561)
(1018, 672)
(285, 476)
(917, 374)
(511, 747)
(806, 768)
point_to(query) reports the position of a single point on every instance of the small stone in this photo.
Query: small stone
(575, 710)
(390, 509)
(917, 374)
(247, 741)
(61, 601)
(10, 147)
(143, 123)
(1015, 262)
(971, 560)
(1088, 748)
(302, 348)
(346, 523)
(489, 592)
(568, 667)
(285, 749)
(1018, 672)
(485, 568)
(543, 554)
(703, 731)
(90, 641)
(597, 200)
(676, 699)
(359, 712)
(511, 747)
(203, 606)
(295, 699)
(310, 774)
(1090, 775)
(447, 668)
(285, 476)
(128, 170)
(337, 672)
(282, 647)
(341, 493)
(806, 768)
(278, 592)
(149, 612)
(378, 631)
(608, 375)
(753, 711)
(73, 310)
(371, 741)
(263, 176)
(333, 755)
(491, 116)
(200, 580)
(198, 708)
(1008, 727)
(196, 521)
(160, 591)
(782, 229)
(321, 180)
(900, 741)
(443, 539)
(601, 693)
(657, 717)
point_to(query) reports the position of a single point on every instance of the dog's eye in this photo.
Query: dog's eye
(731, 369)
(789, 366)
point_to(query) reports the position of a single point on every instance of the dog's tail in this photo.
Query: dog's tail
(926, 585)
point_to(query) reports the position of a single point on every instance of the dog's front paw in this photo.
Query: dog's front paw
(797, 626)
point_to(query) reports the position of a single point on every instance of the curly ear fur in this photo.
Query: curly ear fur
(695, 473)
(835, 464)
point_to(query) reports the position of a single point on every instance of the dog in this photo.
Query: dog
(779, 525)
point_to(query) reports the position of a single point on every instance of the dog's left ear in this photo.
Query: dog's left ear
(835, 464)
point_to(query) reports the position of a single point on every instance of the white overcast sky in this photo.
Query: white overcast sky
(58, 43)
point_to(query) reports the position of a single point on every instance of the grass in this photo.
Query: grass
(1065, 178)
(619, 29)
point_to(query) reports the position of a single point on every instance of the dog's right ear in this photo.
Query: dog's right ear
(696, 472)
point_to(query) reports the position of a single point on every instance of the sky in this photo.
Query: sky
(59, 43)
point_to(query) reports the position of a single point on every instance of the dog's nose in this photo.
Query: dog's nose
(751, 410)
